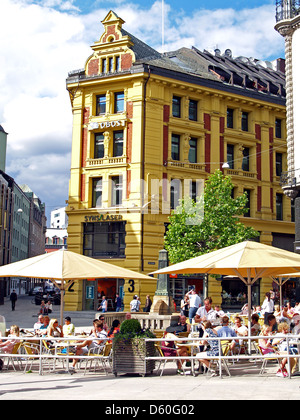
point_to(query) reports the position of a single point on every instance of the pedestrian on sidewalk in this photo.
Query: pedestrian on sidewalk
(13, 299)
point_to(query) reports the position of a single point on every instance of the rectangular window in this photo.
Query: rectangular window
(100, 104)
(97, 193)
(176, 106)
(118, 139)
(99, 146)
(193, 110)
(245, 121)
(246, 159)
(293, 210)
(278, 164)
(279, 207)
(104, 68)
(230, 155)
(175, 147)
(117, 63)
(119, 102)
(230, 118)
(116, 190)
(248, 205)
(193, 150)
(110, 65)
(278, 132)
(175, 193)
(104, 239)
(193, 190)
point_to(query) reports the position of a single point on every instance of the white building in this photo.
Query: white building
(59, 219)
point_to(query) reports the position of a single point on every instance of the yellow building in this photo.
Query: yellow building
(147, 128)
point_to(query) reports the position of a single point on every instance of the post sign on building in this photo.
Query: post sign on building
(90, 292)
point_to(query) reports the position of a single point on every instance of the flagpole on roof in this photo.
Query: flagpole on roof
(163, 25)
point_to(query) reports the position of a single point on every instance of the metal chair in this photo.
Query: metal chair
(266, 358)
(10, 358)
(101, 355)
(165, 359)
(32, 350)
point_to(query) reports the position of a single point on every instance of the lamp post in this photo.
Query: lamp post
(162, 300)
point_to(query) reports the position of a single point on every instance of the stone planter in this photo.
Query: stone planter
(129, 357)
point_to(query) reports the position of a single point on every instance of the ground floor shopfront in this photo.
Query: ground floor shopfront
(133, 240)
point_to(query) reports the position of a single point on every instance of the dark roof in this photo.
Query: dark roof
(2, 129)
(141, 49)
(242, 72)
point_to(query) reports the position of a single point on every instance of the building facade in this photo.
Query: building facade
(59, 219)
(148, 129)
(37, 223)
(55, 239)
(3, 145)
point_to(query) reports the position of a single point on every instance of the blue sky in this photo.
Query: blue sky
(42, 40)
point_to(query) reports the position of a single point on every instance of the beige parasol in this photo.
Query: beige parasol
(247, 260)
(67, 266)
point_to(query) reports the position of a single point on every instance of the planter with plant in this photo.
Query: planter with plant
(130, 349)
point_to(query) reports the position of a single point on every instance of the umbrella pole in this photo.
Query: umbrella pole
(249, 289)
(62, 289)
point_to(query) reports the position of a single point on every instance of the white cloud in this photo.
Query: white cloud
(40, 43)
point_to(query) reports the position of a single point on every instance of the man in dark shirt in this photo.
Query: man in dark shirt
(13, 299)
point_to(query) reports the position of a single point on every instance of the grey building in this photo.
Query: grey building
(3, 144)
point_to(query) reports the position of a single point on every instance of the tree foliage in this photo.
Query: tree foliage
(208, 224)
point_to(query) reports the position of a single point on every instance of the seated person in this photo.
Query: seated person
(241, 331)
(38, 324)
(49, 307)
(257, 310)
(265, 344)
(43, 308)
(295, 324)
(102, 320)
(281, 344)
(255, 326)
(96, 340)
(244, 310)
(208, 336)
(272, 323)
(219, 312)
(169, 349)
(7, 346)
(43, 328)
(225, 331)
(115, 328)
(277, 312)
(54, 330)
(206, 312)
(184, 326)
(68, 328)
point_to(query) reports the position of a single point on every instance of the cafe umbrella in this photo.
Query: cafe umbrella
(246, 260)
(63, 267)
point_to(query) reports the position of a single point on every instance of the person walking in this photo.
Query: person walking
(195, 302)
(103, 305)
(267, 307)
(13, 299)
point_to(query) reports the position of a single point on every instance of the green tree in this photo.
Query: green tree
(208, 224)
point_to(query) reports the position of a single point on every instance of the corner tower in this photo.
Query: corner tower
(288, 25)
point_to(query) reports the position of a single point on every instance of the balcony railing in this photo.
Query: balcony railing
(107, 161)
(287, 9)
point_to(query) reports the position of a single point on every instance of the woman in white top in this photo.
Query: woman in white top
(267, 307)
